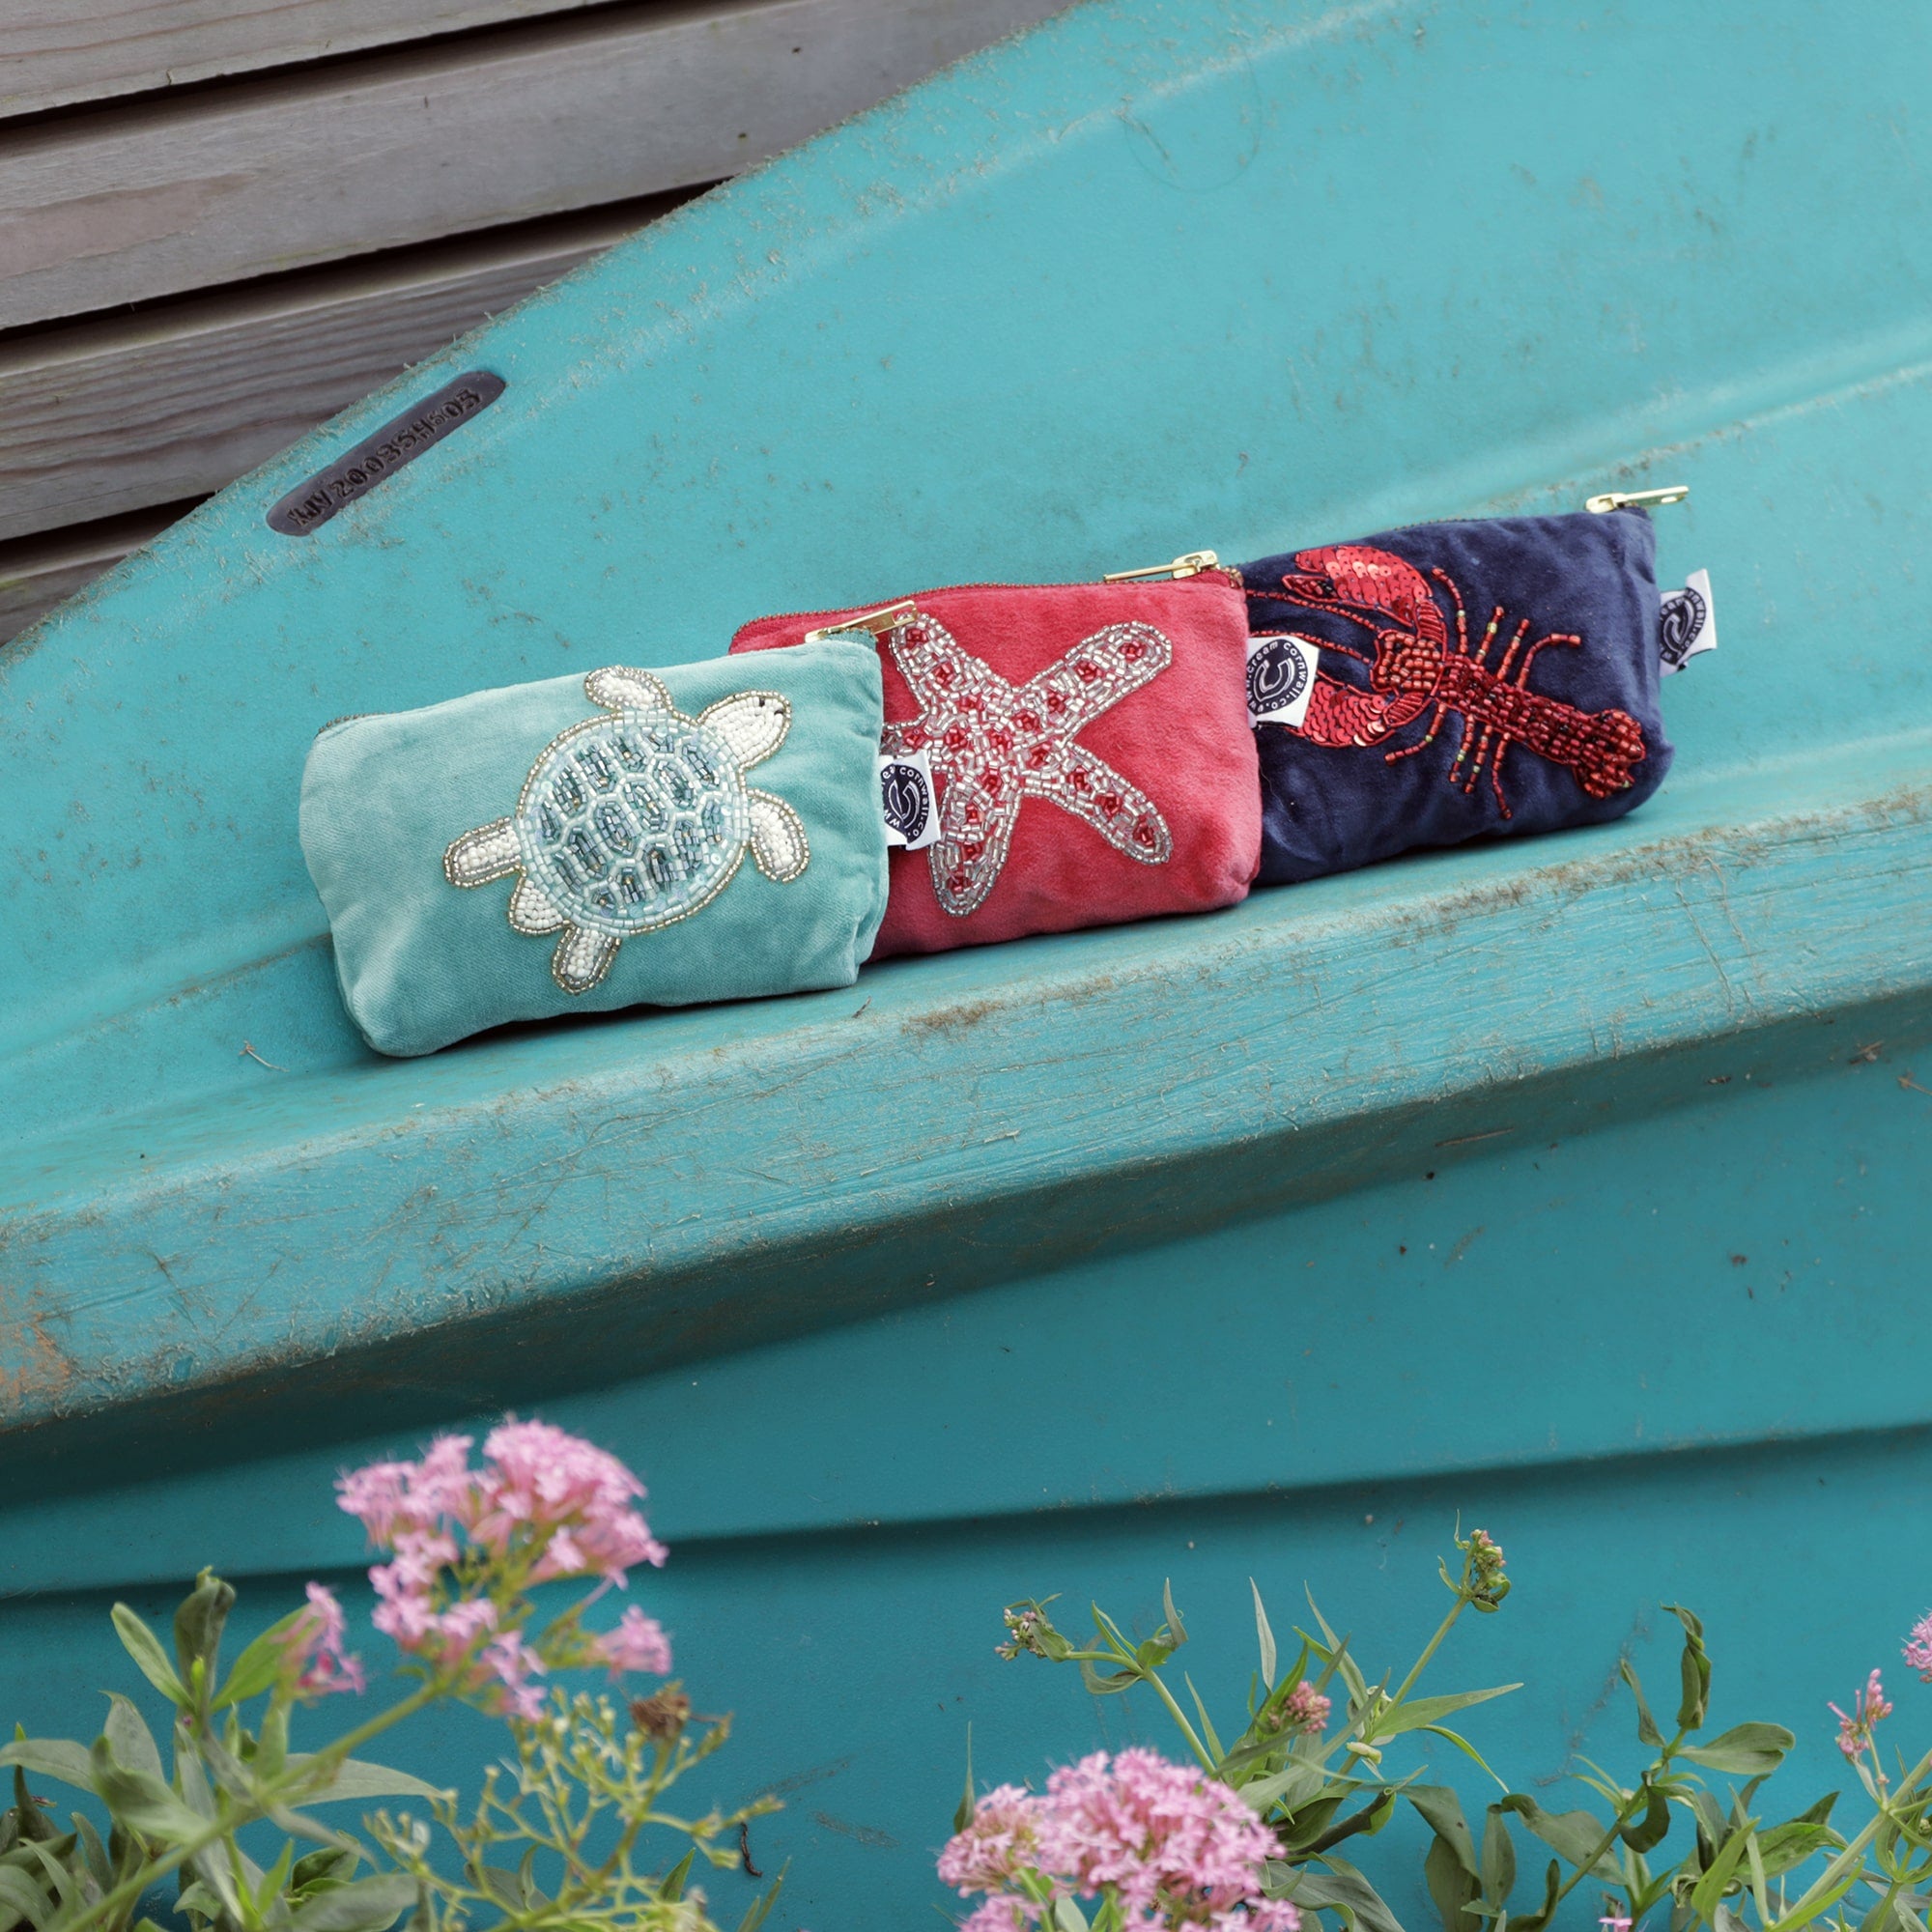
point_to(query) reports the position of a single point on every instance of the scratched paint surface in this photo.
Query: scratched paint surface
(1577, 1183)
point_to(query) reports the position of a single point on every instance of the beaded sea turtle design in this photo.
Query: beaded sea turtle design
(634, 819)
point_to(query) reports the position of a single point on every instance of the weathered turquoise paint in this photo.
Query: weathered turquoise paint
(1419, 1191)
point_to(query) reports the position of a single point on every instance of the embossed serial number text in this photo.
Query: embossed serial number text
(310, 504)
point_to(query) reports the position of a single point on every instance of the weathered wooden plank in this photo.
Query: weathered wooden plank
(155, 198)
(54, 53)
(43, 571)
(1164, 1120)
(117, 414)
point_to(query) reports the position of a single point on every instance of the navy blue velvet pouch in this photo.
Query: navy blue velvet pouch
(1451, 680)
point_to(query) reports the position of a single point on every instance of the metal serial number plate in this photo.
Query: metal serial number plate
(310, 504)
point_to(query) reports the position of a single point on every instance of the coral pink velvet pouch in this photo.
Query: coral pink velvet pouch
(1089, 749)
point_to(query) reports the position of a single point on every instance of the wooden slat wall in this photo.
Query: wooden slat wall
(219, 223)
(54, 53)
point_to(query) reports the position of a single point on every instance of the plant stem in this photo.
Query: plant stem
(1429, 1649)
(1165, 1696)
(1175, 1711)
(1625, 1812)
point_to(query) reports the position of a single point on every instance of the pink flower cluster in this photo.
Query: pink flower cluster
(1171, 1845)
(1855, 1732)
(1918, 1647)
(313, 1648)
(1305, 1709)
(466, 1543)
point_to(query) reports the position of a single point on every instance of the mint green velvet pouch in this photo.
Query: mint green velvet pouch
(629, 838)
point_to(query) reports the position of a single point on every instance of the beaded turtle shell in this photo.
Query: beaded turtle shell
(634, 819)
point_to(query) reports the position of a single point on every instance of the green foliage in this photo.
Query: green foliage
(1669, 1851)
(182, 1816)
(1316, 1791)
(556, 1845)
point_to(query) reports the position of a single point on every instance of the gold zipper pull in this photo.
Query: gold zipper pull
(1190, 565)
(877, 622)
(1636, 499)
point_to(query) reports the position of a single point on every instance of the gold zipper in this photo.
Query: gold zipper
(879, 622)
(888, 616)
(1192, 564)
(1636, 499)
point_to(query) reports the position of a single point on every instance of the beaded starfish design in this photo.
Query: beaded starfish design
(992, 744)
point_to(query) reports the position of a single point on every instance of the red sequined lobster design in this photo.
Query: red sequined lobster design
(1414, 668)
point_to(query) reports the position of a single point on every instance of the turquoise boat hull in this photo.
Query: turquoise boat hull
(1577, 1184)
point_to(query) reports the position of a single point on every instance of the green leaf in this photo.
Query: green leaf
(1068, 1916)
(1467, 1749)
(1650, 1831)
(314, 1866)
(199, 1623)
(98, 1866)
(1345, 1888)
(272, 1742)
(671, 1888)
(1809, 1909)
(1498, 1865)
(1370, 1819)
(1695, 1670)
(527, 1881)
(1419, 1713)
(1110, 1685)
(1265, 1636)
(276, 1876)
(1451, 1886)
(300, 1825)
(1443, 1810)
(21, 1898)
(193, 1779)
(1292, 1787)
(502, 1884)
(356, 1781)
(259, 1665)
(1646, 1725)
(61, 1885)
(31, 1824)
(1176, 1630)
(364, 1905)
(141, 1802)
(1309, 1821)
(1712, 1824)
(1759, 1878)
(1794, 1841)
(1535, 1921)
(1711, 1887)
(230, 1772)
(1337, 1653)
(1744, 1751)
(963, 1817)
(145, 1648)
(1208, 1736)
(51, 1757)
(129, 1739)
(1572, 1835)
(763, 1905)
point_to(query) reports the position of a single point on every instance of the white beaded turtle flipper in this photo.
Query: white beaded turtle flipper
(634, 819)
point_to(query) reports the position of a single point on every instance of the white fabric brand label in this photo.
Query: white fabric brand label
(1281, 679)
(905, 798)
(1687, 624)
